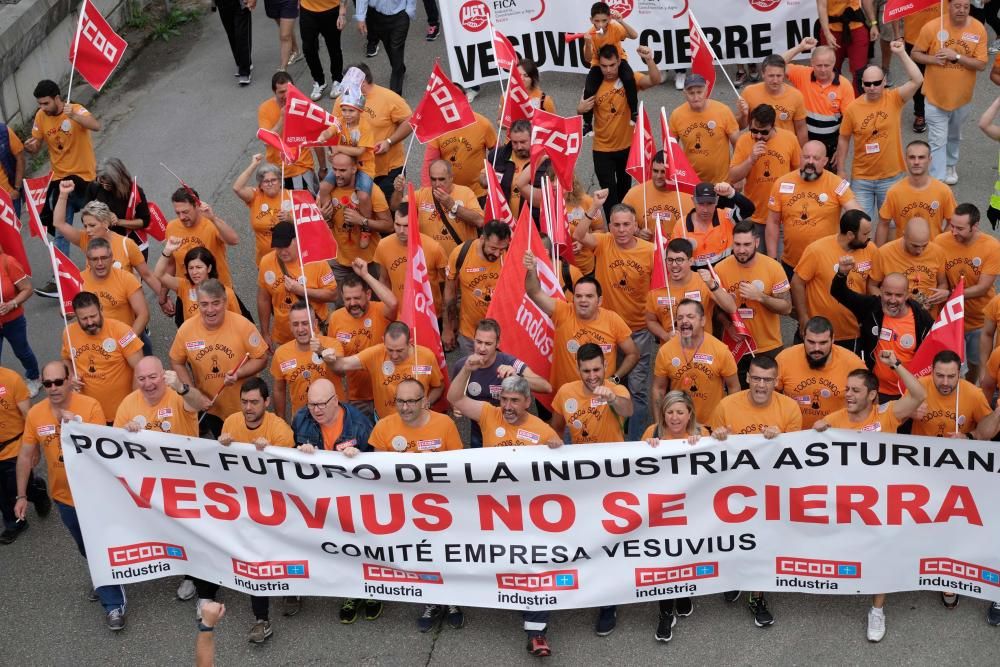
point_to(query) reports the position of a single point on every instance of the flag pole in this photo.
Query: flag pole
(668, 153)
(493, 41)
(642, 157)
(666, 275)
(958, 386)
(76, 49)
(503, 112)
(62, 309)
(409, 147)
(715, 60)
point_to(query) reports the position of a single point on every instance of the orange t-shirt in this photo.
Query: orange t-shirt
(43, 429)
(385, 110)
(430, 220)
(271, 278)
(939, 418)
(11, 273)
(614, 34)
(124, 252)
(102, 360)
(589, 418)
(263, 217)
(898, 335)
(662, 202)
(624, 275)
(992, 365)
(268, 115)
(782, 156)
(822, 101)
(969, 262)
(391, 256)
(767, 274)
(807, 210)
(332, 431)
(875, 128)
(356, 335)
(189, 298)
(498, 432)
(663, 302)
(71, 150)
(607, 329)
(789, 105)
(881, 418)
(349, 239)
(466, 149)
(169, 415)
(212, 354)
(114, 292)
(203, 234)
(612, 128)
(13, 390)
(705, 136)
(712, 244)
(439, 434)
(922, 272)
(818, 266)
(385, 375)
(934, 203)
(476, 282)
(273, 428)
(742, 416)
(991, 313)
(16, 148)
(700, 372)
(951, 85)
(817, 391)
(300, 368)
(838, 7)
(361, 136)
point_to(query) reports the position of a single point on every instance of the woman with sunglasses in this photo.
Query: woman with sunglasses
(113, 186)
(199, 266)
(675, 421)
(264, 201)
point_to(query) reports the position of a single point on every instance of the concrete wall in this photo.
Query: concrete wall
(35, 37)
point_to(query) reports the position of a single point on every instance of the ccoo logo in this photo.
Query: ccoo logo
(655, 576)
(816, 567)
(274, 569)
(372, 572)
(950, 567)
(553, 580)
(144, 551)
(474, 15)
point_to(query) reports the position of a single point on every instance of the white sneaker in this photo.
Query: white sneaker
(34, 386)
(336, 90)
(876, 624)
(471, 94)
(679, 79)
(186, 590)
(197, 607)
(950, 176)
(317, 91)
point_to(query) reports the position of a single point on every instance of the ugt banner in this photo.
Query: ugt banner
(543, 30)
(530, 527)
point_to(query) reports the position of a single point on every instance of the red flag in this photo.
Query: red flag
(640, 155)
(10, 232)
(316, 242)
(658, 277)
(948, 333)
(443, 108)
(97, 48)
(497, 207)
(34, 190)
(702, 57)
(517, 104)
(304, 120)
(519, 317)
(679, 168)
(67, 276)
(897, 9)
(157, 221)
(289, 154)
(418, 301)
(504, 51)
(559, 139)
(738, 337)
(553, 217)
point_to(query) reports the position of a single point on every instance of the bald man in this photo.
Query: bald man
(326, 423)
(890, 322)
(161, 403)
(921, 260)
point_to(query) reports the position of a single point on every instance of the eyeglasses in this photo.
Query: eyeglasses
(872, 84)
(756, 379)
(50, 383)
(403, 403)
(269, 180)
(99, 258)
(676, 260)
(321, 406)
(760, 132)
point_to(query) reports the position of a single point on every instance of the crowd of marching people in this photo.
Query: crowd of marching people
(774, 266)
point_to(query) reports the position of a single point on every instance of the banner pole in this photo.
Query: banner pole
(76, 49)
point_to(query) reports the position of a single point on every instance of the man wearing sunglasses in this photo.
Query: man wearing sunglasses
(874, 122)
(42, 430)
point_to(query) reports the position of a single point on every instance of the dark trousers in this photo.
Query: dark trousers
(391, 30)
(609, 167)
(8, 491)
(433, 15)
(918, 97)
(385, 182)
(112, 597)
(15, 332)
(311, 26)
(536, 622)
(627, 76)
(237, 22)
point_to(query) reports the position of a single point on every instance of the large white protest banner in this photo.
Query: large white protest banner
(579, 526)
(542, 30)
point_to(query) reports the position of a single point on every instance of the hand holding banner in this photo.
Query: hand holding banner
(97, 48)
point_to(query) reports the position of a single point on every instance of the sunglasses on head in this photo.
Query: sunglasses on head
(49, 383)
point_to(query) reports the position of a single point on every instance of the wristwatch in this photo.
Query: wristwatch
(454, 209)
(616, 379)
(185, 388)
(958, 57)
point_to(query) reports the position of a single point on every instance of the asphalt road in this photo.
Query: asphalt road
(178, 103)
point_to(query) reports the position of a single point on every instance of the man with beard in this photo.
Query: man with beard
(946, 391)
(863, 413)
(709, 227)
(695, 362)
(297, 363)
(889, 322)
(102, 352)
(820, 261)
(661, 201)
(509, 160)
(472, 273)
(759, 285)
(120, 293)
(919, 195)
(921, 260)
(814, 371)
(805, 205)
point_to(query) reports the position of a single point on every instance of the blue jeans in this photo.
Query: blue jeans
(16, 333)
(637, 382)
(112, 597)
(944, 134)
(871, 193)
